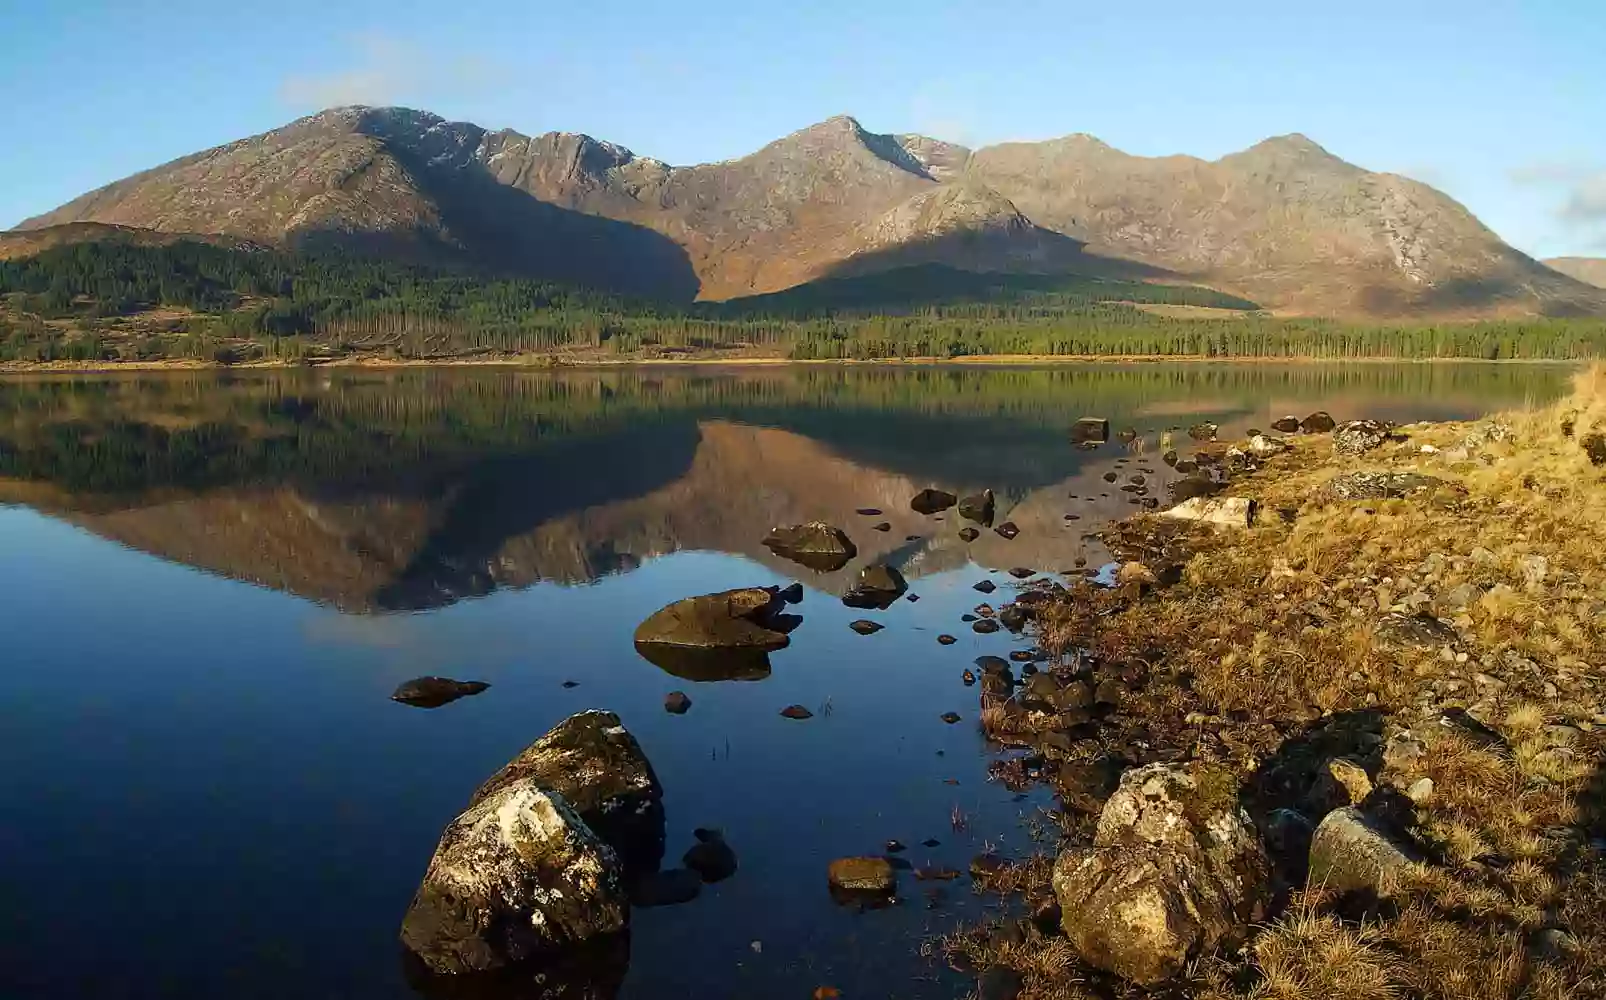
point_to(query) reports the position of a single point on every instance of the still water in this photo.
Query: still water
(209, 586)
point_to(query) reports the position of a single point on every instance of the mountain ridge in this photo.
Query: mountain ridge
(1284, 222)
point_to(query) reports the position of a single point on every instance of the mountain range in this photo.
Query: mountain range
(1590, 270)
(1284, 223)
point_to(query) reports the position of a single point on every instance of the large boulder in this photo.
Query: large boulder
(1357, 437)
(748, 618)
(517, 875)
(600, 770)
(878, 587)
(1353, 852)
(1176, 870)
(817, 545)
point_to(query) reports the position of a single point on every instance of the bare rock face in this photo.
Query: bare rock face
(600, 770)
(1224, 512)
(517, 875)
(817, 545)
(1175, 871)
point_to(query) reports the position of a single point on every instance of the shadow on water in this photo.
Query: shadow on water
(594, 971)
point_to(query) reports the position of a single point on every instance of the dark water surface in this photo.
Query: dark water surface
(210, 586)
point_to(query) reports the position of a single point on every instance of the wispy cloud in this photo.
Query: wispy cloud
(1577, 192)
(385, 70)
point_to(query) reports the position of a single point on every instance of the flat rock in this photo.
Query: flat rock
(796, 712)
(433, 692)
(867, 875)
(1225, 512)
(732, 619)
(1384, 485)
(1422, 630)
(1090, 430)
(866, 627)
(1008, 530)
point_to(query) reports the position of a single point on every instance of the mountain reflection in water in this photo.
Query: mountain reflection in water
(414, 489)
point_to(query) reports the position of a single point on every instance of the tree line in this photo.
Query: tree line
(75, 303)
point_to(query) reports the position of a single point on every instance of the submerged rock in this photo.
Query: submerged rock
(796, 712)
(870, 875)
(1008, 530)
(667, 888)
(516, 875)
(929, 501)
(866, 627)
(1176, 870)
(1226, 512)
(879, 586)
(711, 858)
(677, 703)
(968, 534)
(817, 545)
(985, 586)
(433, 692)
(978, 507)
(600, 770)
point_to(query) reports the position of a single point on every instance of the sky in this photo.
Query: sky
(1499, 103)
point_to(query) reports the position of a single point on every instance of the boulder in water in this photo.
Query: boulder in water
(1090, 430)
(879, 586)
(814, 544)
(731, 619)
(433, 692)
(978, 507)
(518, 874)
(601, 772)
(931, 501)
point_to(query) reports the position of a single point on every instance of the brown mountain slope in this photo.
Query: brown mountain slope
(1590, 270)
(28, 242)
(1284, 223)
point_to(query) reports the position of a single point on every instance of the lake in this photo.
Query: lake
(211, 584)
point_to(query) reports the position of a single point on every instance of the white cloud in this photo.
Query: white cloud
(387, 70)
(1586, 200)
(1577, 193)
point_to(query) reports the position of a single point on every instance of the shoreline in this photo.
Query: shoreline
(547, 364)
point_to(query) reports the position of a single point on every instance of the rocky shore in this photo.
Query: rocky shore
(1332, 726)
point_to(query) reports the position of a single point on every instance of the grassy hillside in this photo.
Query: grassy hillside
(112, 301)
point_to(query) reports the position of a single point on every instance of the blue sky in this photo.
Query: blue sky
(1500, 103)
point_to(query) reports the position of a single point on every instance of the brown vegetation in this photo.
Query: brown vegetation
(1278, 632)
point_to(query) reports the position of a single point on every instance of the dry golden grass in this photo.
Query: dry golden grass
(1277, 626)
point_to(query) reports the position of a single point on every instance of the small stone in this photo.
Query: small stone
(1007, 530)
(866, 627)
(932, 501)
(950, 717)
(1021, 572)
(946, 640)
(433, 692)
(895, 847)
(986, 586)
(1420, 791)
(984, 626)
(676, 703)
(969, 678)
(796, 712)
(968, 534)
(1353, 852)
